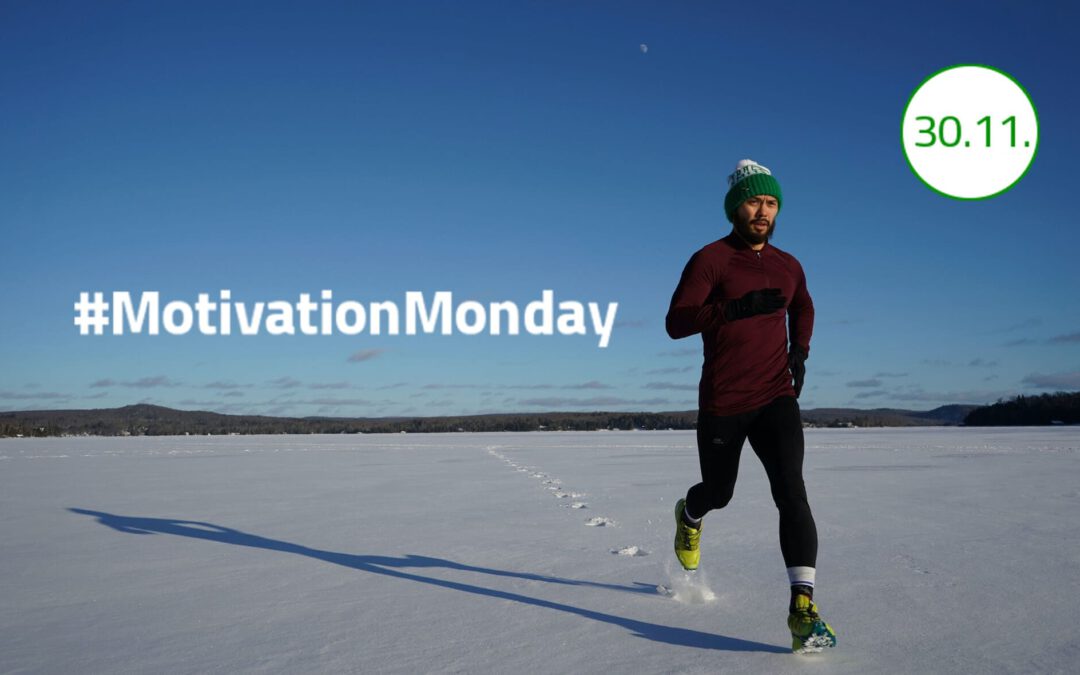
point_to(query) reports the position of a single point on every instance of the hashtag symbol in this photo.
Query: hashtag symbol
(91, 314)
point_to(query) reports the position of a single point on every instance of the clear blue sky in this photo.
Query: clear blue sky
(499, 149)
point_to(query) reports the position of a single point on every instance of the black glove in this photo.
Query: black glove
(797, 364)
(765, 301)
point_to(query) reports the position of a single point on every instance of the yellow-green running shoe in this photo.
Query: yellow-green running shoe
(686, 539)
(809, 632)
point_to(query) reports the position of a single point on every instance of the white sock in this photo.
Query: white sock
(802, 576)
(686, 514)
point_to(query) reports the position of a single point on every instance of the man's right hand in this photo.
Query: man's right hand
(764, 301)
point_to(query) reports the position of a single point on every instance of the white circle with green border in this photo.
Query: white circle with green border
(970, 132)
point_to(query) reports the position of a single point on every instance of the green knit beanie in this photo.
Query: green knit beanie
(749, 179)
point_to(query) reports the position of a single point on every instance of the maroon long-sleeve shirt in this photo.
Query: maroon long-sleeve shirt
(746, 361)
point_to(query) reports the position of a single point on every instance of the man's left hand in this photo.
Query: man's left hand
(797, 364)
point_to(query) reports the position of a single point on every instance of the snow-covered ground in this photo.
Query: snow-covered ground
(942, 551)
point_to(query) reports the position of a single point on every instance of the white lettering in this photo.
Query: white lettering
(479, 318)
(357, 326)
(414, 302)
(169, 317)
(278, 317)
(603, 328)
(544, 307)
(148, 309)
(282, 322)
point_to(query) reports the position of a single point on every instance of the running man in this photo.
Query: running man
(736, 293)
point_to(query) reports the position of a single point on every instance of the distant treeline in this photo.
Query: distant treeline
(1059, 408)
(152, 420)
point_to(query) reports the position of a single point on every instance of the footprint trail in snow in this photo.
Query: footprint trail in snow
(569, 499)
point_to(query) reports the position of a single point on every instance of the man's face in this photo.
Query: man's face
(755, 219)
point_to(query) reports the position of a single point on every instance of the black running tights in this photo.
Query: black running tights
(776, 435)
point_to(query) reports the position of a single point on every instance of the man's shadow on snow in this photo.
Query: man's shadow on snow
(393, 567)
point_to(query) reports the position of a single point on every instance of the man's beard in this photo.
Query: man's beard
(749, 235)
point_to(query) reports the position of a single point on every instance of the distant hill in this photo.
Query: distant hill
(948, 415)
(154, 420)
